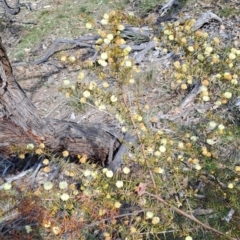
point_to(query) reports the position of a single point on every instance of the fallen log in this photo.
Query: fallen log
(21, 124)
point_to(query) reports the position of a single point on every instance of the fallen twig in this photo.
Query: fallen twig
(14, 178)
(122, 150)
(186, 104)
(205, 18)
(140, 56)
(77, 42)
(191, 217)
(166, 7)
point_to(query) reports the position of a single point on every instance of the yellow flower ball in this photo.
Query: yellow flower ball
(92, 85)
(105, 16)
(99, 41)
(45, 161)
(231, 56)
(205, 82)
(131, 81)
(167, 32)
(208, 49)
(88, 25)
(227, 76)
(184, 86)
(227, 95)
(126, 170)
(210, 142)
(102, 107)
(104, 56)
(221, 127)
(128, 49)
(139, 118)
(105, 84)
(48, 185)
(102, 62)
(205, 93)
(65, 153)
(124, 129)
(87, 173)
(155, 220)
(194, 138)
(86, 94)
(63, 185)
(198, 33)
(237, 168)
(218, 103)
(212, 125)
(7, 186)
(82, 100)
(30, 146)
(119, 184)
(149, 215)
(150, 150)
(190, 48)
(133, 230)
(120, 27)
(158, 170)
(104, 21)
(72, 59)
(63, 58)
(184, 40)
(56, 230)
(117, 204)
(206, 98)
(113, 98)
(216, 40)
(66, 82)
(106, 41)
(177, 64)
(181, 145)
(198, 167)
(110, 36)
(128, 63)
(41, 145)
(162, 149)
(205, 35)
(200, 57)
(234, 81)
(64, 197)
(165, 50)
(157, 154)
(39, 151)
(146, 107)
(109, 173)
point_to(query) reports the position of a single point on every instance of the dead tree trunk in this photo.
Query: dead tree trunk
(22, 125)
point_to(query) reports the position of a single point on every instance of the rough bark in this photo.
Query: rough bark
(22, 124)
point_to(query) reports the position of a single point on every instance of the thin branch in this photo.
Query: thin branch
(191, 217)
(77, 42)
(14, 178)
(205, 18)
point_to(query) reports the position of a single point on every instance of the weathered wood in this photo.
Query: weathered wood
(9, 10)
(22, 125)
